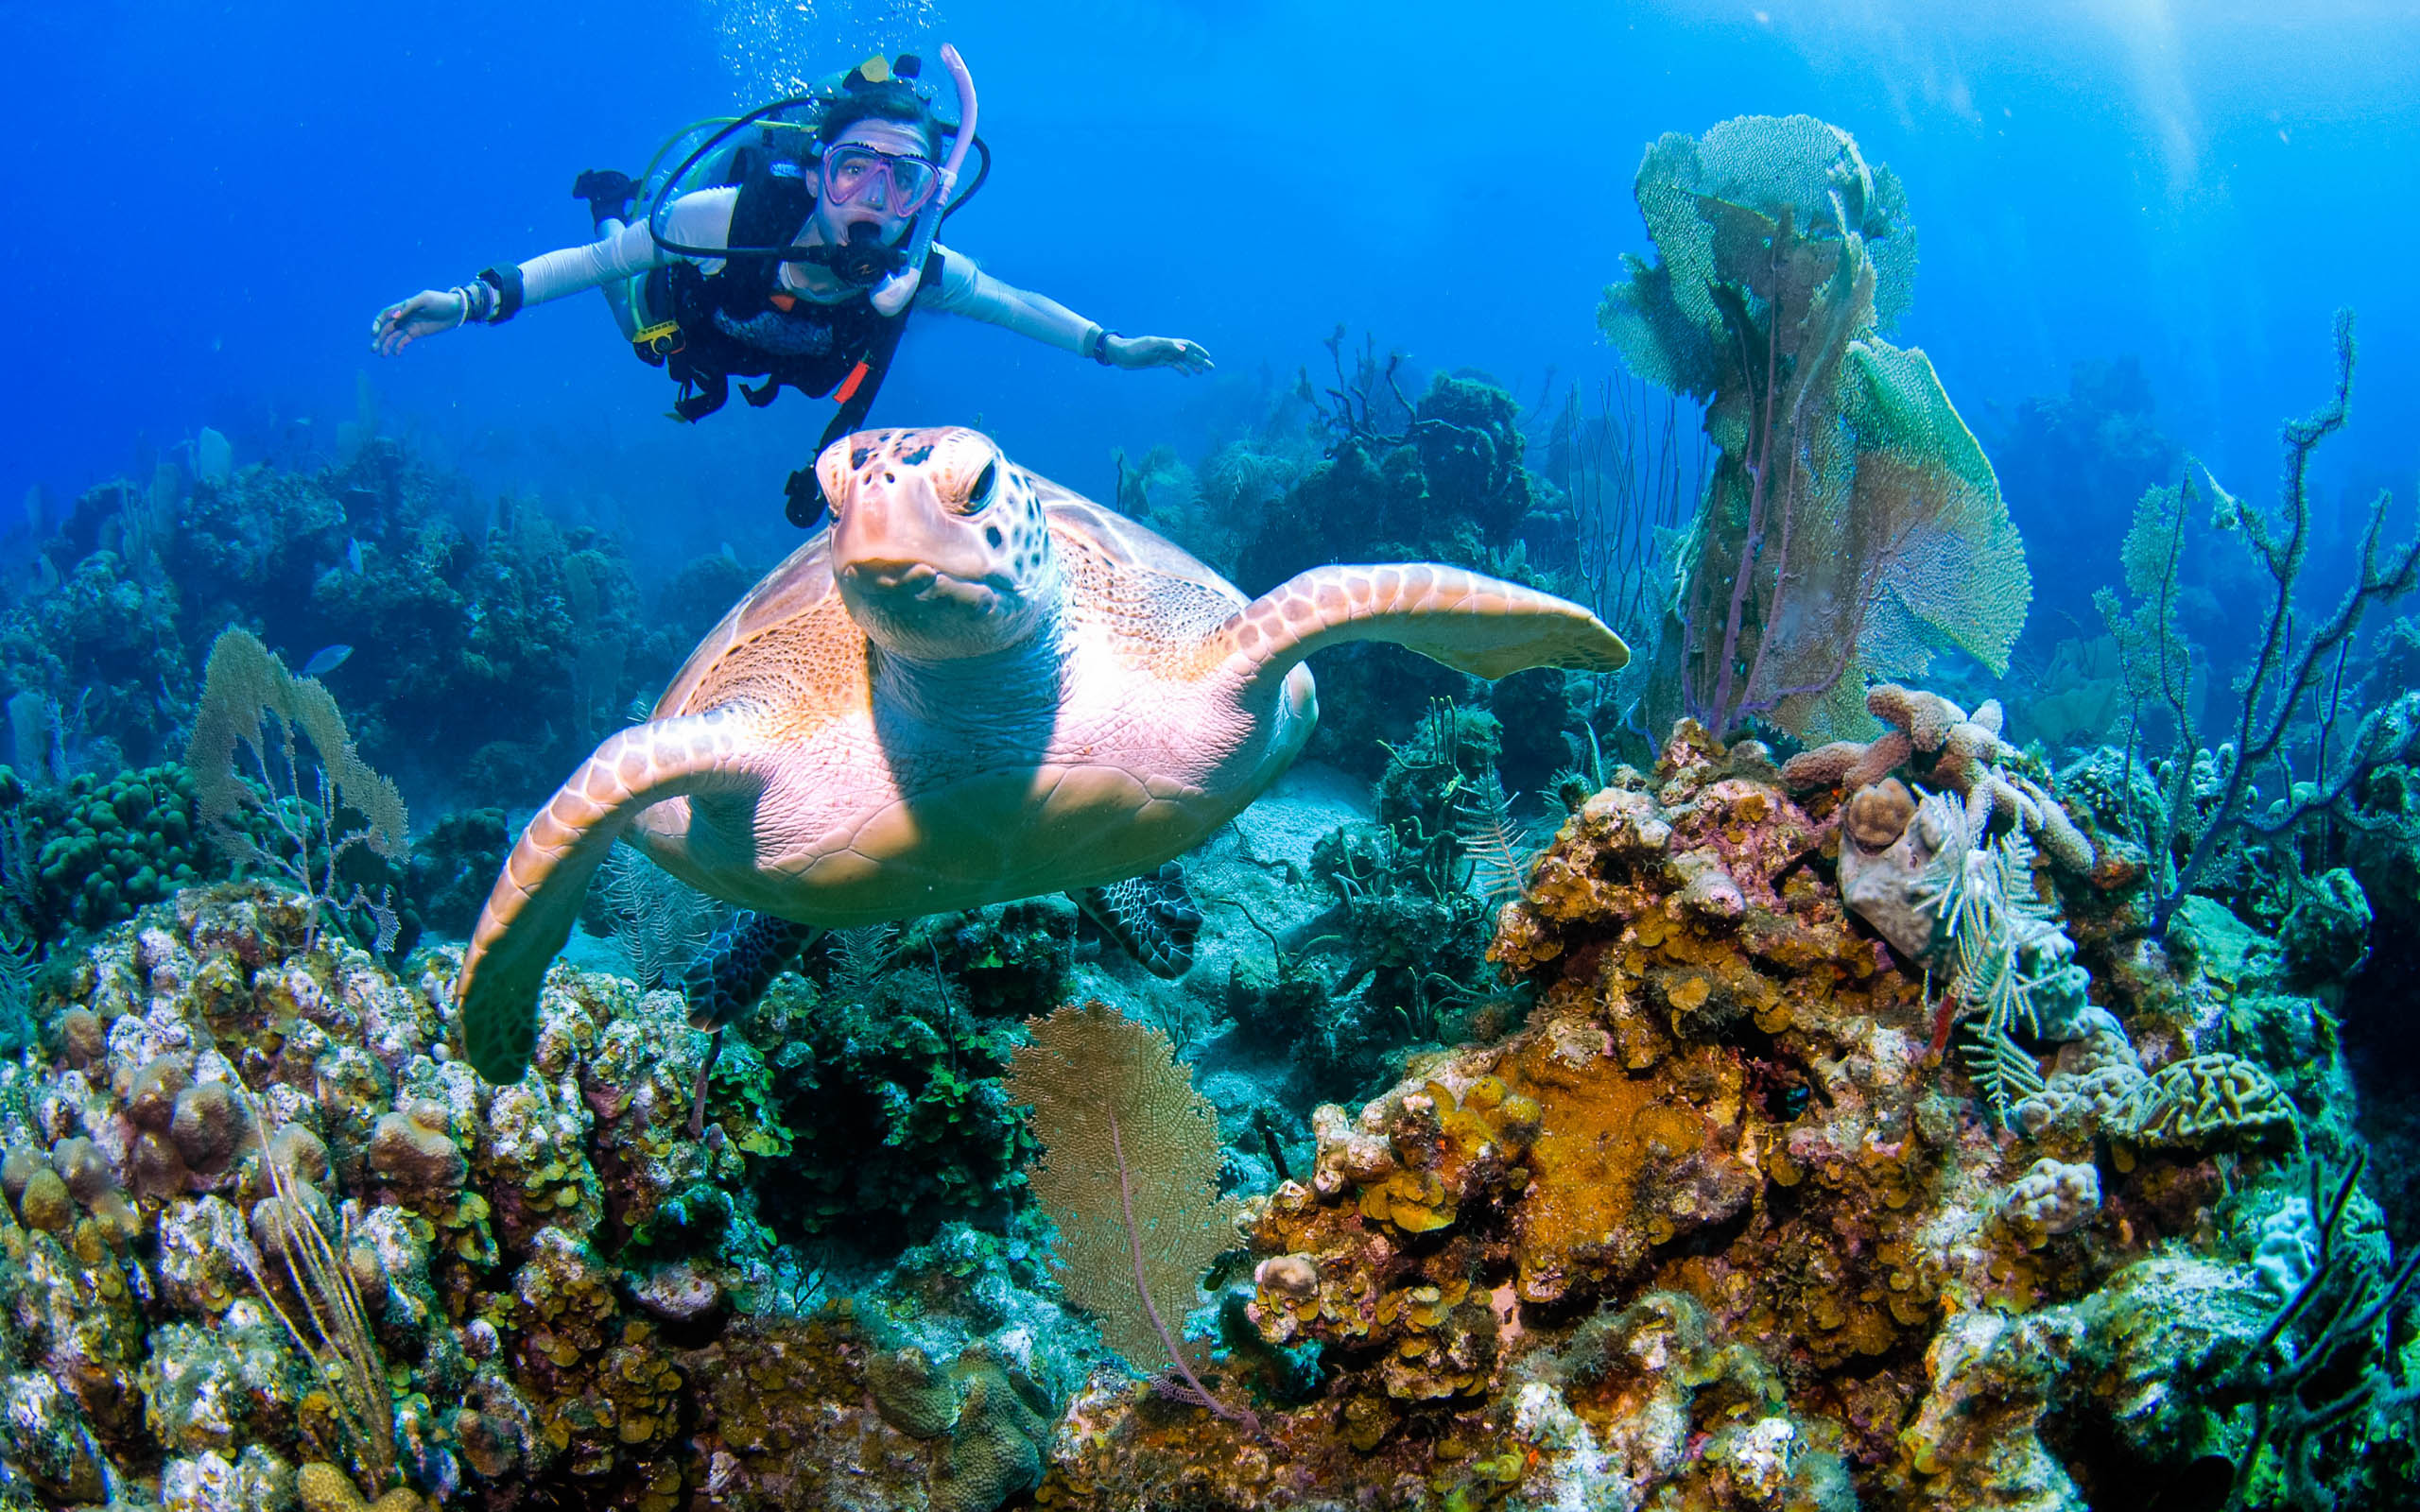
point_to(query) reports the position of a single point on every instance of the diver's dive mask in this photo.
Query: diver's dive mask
(864, 259)
(896, 181)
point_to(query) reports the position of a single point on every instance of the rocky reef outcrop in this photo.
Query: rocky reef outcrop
(260, 1213)
(1784, 1196)
(1723, 1228)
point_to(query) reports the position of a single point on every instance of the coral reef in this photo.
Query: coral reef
(1714, 1228)
(1437, 478)
(562, 1296)
(2202, 821)
(1906, 1125)
(887, 1062)
(524, 640)
(1708, 1232)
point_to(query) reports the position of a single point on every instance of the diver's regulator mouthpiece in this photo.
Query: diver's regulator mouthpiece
(864, 259)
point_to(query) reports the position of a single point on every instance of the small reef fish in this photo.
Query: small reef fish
(353, 554)
(325, 659)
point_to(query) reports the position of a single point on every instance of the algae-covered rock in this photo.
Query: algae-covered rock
(2326, 935)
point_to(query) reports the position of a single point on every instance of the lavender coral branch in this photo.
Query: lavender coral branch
(2284, 672)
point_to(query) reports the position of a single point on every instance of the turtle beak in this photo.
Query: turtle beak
(896, 535)
(915, 577)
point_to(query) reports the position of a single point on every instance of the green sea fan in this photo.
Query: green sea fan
(1853, 527)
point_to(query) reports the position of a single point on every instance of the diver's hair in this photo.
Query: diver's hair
(889, 100)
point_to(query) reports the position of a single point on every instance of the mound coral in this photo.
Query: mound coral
(92, 851)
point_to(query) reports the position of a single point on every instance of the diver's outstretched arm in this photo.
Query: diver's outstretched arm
(966, 289)
(701, 219)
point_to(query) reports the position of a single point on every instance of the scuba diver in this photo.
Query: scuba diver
(791, 245)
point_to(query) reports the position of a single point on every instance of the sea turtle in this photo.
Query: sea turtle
(973, 686)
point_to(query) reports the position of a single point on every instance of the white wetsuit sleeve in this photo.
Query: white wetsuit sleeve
(966, 289)
(701, 219)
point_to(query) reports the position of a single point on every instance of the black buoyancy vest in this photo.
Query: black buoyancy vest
(731, 324)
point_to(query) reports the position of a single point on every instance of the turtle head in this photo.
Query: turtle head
(939, 543)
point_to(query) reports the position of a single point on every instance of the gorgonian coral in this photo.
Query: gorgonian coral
(1853, 526)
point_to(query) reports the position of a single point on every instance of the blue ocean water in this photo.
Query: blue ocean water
(215, 199)
(2205, 1000)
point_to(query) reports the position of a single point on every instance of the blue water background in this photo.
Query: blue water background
(211, 200)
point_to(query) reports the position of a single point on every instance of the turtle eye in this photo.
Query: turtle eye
(980, 495)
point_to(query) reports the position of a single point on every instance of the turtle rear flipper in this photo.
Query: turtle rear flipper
(733, 969)
(725, 979)
(1466, 620)
(536, 901)
(1154, 916)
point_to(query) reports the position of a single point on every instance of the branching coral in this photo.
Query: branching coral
(2298, 658)
(1852, 525)
(2321, 1362)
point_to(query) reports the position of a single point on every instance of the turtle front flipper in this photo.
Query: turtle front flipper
(732, 971)
(1466, 620)
(536, 901)
(1154, 916)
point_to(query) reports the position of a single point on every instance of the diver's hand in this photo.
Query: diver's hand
(1132, 353)
(424, 314)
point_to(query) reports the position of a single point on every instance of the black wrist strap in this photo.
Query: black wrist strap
(1101, 348)
(506, 283)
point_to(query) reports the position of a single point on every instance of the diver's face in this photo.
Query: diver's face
(876, 203)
